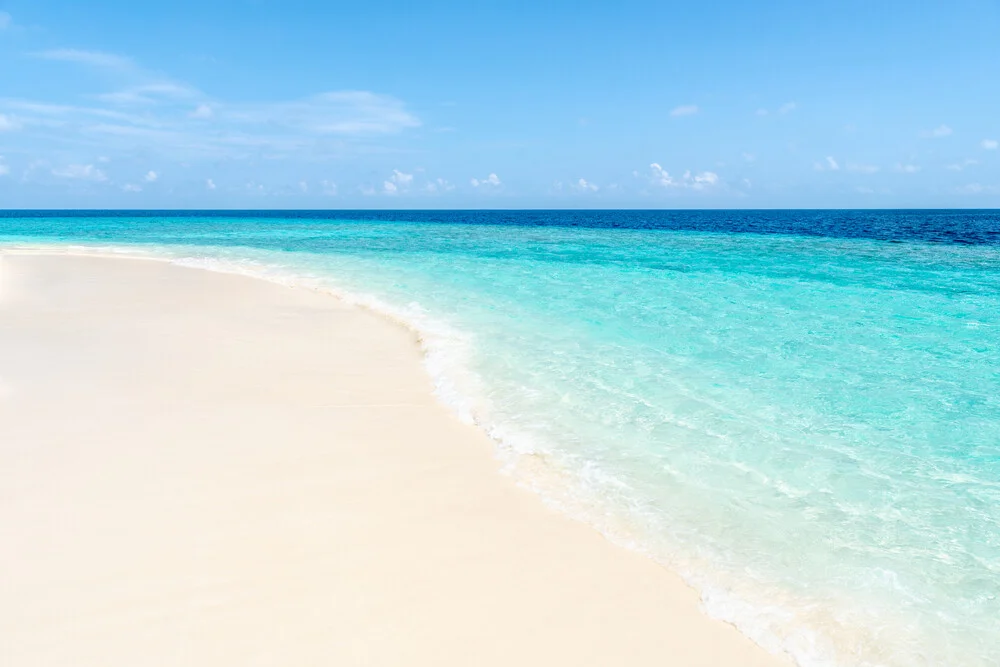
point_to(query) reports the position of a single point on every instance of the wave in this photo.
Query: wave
(779, 622)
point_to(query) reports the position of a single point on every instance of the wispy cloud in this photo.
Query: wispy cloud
(4, 169)
(829, 163)
(151, 176)
(938, 132)
(210, 184)
(684, 110)
(81, 172)
(202, 111)
(990, 144)
(862, 168)
(150, 93)
(167, 117)
(694, 181)
(786, 108)
(907, 168)
(439, 185)
(490, 181)
(5, 20)
(960, 166)
(977, 189)
(583, 185)
(129, 187)
(231, 131)
(90, 58)
(351, 112)
(8, 124)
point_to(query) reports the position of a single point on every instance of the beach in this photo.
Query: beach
(207, 469)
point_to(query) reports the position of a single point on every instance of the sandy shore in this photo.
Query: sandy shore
(203, 469)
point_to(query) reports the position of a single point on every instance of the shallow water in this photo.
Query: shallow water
(800, 411)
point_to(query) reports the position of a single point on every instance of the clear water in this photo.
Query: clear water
(799, 411)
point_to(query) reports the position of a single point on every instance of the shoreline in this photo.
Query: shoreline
(534, 586)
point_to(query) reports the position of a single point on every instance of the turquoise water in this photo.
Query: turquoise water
(805, 425)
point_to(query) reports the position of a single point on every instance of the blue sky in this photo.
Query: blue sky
(310, 104)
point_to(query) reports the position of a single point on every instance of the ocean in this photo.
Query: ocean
(799, 411)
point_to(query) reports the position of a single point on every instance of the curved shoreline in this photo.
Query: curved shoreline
(433, 558)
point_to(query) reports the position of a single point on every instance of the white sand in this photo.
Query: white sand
(201, 469)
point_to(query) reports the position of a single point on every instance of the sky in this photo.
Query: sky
(310, 104)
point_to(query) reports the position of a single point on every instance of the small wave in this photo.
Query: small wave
(779, 622)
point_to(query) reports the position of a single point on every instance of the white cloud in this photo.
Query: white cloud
(329, 188)
(202, 111)
(398, 182)
(786, 108)
(661, 176)
(352, 112)
(702, 180)
(907, 168)
(5, 20)
(828, 163)
(490, 181)
(81, 172)
(175, 119)
(8, 124)
(131, 188)
(151, 176)
(976, 189)
(990, 144)
(439, 185)
(92, 58)
(699, 181)
(685, 110)
(937, 133)
(210, 184)
(749, 157)
(862, 168)
(401, 179)
(959, 166)
(583, 185)
(150, 93)
(4, 169)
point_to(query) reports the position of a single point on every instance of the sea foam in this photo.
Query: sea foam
(805, 428)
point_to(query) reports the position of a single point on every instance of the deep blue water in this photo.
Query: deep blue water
(965, 226)
(798, 410)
